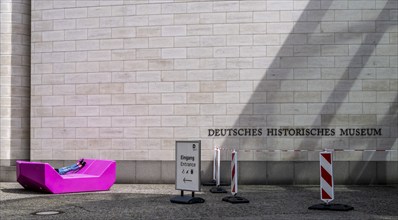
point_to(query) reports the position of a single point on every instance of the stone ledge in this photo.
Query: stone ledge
(251, 172)
(8, 174)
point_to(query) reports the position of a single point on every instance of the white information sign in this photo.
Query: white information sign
(188, 165)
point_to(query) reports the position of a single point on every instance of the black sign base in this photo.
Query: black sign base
(235, 199)
(218, 189)
(186, 200)
(331, 207)
(214, 183)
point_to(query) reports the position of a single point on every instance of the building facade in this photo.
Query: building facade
(279, 81)
(15, 81)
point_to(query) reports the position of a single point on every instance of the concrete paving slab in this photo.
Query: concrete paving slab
(139, 201)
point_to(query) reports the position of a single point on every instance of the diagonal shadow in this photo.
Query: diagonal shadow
(363, 54)
(384, 174)
(357, 62)
(21, 191)
(276, 73)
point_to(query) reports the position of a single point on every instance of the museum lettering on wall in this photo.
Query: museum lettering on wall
(294, 132)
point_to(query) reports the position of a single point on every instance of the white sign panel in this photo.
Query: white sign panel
(188, 165)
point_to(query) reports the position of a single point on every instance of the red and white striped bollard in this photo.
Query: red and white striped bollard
(234, 171)
(234, 182)
(327, 185)
(326, 173)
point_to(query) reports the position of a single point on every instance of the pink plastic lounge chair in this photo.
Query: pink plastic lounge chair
(96, 175)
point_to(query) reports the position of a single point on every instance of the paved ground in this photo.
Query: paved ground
(152, 202)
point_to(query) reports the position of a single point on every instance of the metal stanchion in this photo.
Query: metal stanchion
(213, 182)
(218, 188)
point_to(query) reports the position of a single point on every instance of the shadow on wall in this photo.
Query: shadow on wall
(298, 59)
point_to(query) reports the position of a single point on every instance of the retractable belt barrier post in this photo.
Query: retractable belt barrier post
(218, 188)
(214, 164)
(234, 182)
(213, 182)
(327, 185)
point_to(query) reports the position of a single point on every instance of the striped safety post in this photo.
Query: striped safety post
(327, 185)
(326, 173)
(234, 173)
(234, 182)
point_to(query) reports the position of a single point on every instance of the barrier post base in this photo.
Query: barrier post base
(186, 200)
(235, 199)
(218, 189)
(331, 207)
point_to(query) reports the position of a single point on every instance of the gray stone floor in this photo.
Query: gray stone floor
(152, 202)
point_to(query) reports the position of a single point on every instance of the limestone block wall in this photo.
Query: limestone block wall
(14, 81)
(124, 79)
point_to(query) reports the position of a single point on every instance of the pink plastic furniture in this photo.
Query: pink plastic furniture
(96, 175)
